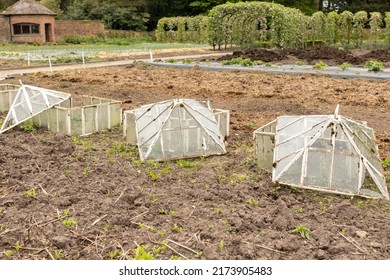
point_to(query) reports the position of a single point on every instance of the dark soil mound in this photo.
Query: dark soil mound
(379, 55)
(321, 52)
(257, 54)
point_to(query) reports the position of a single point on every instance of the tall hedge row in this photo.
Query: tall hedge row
(260, 23)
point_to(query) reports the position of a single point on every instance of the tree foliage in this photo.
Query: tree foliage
(245, 22)
(113, 15)
(182, 29)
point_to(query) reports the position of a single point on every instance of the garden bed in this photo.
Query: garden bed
(91, 197)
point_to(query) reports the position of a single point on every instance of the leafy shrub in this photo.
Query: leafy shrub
(303, 231)
(373, 65)
(320, 65)
(345, 65)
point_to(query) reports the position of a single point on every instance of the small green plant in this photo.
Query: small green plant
(187, 61)
(69, 222)
(175, 258)
(172, 212)
(9, 254)
(31, 193)
(218, 210)
(113, 254)
(2, 227)
(303, 231)
(162, 233)
(141, 253)
(18, 246)
(67, 172)
(86, 170)
(57, 254)
(221, 245)
(1, 210)
(247, 62)
(373, 65)
(153, 164)
(28, 126)
(177, 228)
(171, 60)
(386, 163)
(258, 62)
(106, 227)
(320, 65)
(153, 175)
(252, 201)
(141, 225)
(299, 62)
(65, 212)
(345, 65)
(185, 163)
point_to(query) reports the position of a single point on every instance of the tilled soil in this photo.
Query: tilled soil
(313, 54)
(88, 198)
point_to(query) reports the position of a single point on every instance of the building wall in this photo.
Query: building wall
(5, 35)
(34, 38)
(77, 27)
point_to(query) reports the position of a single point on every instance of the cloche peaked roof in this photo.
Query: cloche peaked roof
(27, 7)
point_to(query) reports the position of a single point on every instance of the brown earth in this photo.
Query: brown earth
(311, 55)
(221, 208)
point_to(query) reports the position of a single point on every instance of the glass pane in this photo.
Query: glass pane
(89, 120)
(26, 29)
(35, 29)
(76, 122)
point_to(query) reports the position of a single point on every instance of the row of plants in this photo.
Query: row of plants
(247, 24)
(182, 29)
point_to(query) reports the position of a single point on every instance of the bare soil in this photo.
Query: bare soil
(222, 207)
(313, 54)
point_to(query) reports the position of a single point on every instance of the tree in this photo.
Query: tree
(120, 16)
(364, 5)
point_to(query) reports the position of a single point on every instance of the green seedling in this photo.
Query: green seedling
(299, 62)
(86, 170)
(252, 201)
(303, 231)
(141, 253)
(162, 233)
(177, 228)
(113, 254)
(185, 163)
(320, 65)
(172, 212)
(373, 65)
(106, 227)
(65, 212)
(171, 60)
(386, 163)
(221, 245)
(141, 225)
(67, 172)
(69, 222)
(153, 164)
(18, 246)
(31, 193)
(218, 210)
(187, 61)
(28, 126)
(1, 210)
(2, 227)
(153, 175)
(9, 254)
(57, 254)
(175, 258)
(345, 66)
